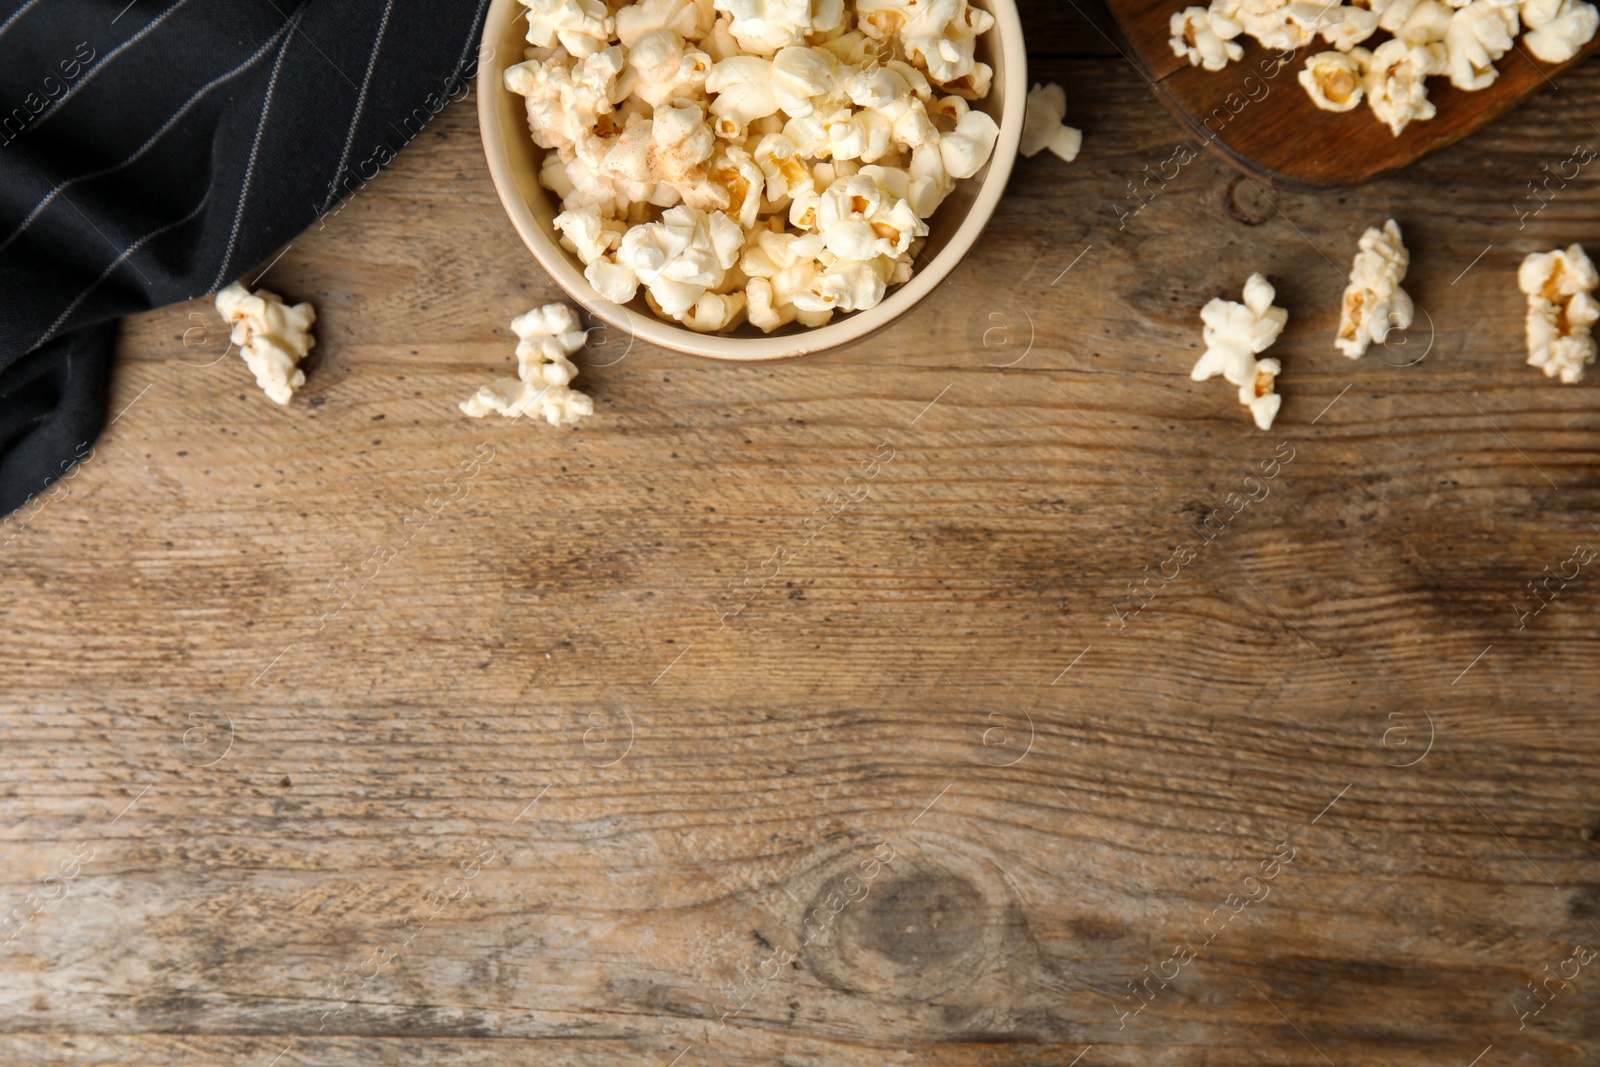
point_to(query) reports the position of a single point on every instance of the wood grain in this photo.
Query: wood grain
(538, 794)
(1257, 116)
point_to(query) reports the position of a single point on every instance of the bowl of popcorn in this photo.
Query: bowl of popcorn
(751, 179)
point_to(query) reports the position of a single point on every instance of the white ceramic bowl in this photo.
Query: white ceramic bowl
(514, 163)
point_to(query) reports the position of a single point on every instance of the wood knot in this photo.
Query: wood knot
(928, 925)
(1248, 202)
(928, 919)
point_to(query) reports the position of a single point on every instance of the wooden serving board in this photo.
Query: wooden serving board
(1256, 114)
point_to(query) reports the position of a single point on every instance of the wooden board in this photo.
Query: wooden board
(1258, 117)
(524, 800)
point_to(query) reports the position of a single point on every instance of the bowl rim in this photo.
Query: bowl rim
(858, 326)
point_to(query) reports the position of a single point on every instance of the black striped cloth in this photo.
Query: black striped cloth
(153, 151)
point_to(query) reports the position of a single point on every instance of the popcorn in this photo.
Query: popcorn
(1395, 82)
(967, 148)
(848, 285)
(1374, 303)
(547, 336)
(930, 181)
(1235, 334)
(761, 309)
(686, 19)
(857, 221)
(714, 312)
(1392, 14)
(1204, 38)
(1428, 22)
(769, 161)
(1561, 311)
(682, 257)
(864, 135)
(1349, 26)
(1557, 29)
(1459, 38)
(1335, 79)
(748, 88)
(588, 236)
(582, 27)
(783, 167)
(664, 69)
(736, 171)
(272, 337)
(1281, 25)
(779, 266)
(1042, 127)
(764, 26)
(559, 405)
(941, 38)
(1479, 34)
(566, 103)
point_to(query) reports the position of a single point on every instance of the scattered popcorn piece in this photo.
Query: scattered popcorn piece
(1557, 29)
(1429, 21)
(1396, 87)
(1479, 34)
(1203, 37)
(547, 336)
(272, 337)
(1561, 311)
(1336, 80)
(1282, 25)
(1042, 127)
(1235, 334)
(1261, 395)
(1374, 303)
(1349, 26)
(559, 405)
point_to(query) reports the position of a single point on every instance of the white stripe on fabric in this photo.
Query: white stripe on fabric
(17, 14)
(130, 250)
(89, 75)
(255, 150)
(361, 104)
(472, 36)
(149, 144)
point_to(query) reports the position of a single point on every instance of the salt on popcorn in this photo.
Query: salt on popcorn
(1235, 334)
(1561, 311)
(547, 337)
(272, 337)
(769, 161)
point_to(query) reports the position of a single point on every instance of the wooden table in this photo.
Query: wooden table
(779, 714)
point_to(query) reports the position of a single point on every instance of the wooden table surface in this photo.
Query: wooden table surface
(780, 714)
